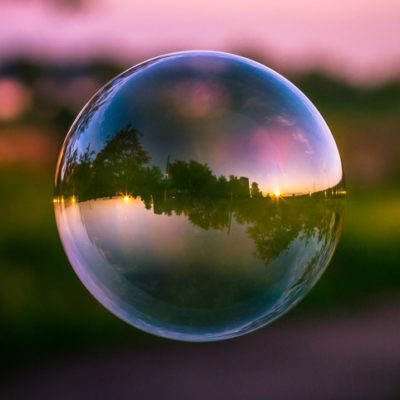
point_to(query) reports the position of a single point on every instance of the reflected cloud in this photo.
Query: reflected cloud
(301, 137)
(195, 98)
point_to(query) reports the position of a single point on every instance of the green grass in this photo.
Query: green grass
(366, 264)
(45, 309)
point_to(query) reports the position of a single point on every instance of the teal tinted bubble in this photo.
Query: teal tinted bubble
(199, 195)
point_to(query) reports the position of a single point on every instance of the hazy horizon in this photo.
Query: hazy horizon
(294, 36)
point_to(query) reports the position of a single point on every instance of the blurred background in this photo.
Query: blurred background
(341, 342)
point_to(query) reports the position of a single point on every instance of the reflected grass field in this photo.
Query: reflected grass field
(44, 307)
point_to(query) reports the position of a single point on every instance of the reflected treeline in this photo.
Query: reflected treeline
(123, 167)
(271, 224)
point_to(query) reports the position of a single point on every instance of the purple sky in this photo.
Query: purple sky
(357, 39)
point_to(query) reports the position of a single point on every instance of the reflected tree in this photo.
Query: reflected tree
(255, 190)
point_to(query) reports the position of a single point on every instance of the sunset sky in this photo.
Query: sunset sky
(358, 40)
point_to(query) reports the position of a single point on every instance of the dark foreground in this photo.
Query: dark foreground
(352, 355)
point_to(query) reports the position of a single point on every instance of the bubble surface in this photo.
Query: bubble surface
(199, 195)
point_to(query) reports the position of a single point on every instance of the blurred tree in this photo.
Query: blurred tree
(255, 190)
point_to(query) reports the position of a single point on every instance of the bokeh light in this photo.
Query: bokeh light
(14, 99)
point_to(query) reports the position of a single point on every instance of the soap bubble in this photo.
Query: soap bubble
(199, 195)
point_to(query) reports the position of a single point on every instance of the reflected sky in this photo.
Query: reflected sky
(199, 195)
(233, 114)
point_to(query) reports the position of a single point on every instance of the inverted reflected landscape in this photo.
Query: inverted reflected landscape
(199, 196)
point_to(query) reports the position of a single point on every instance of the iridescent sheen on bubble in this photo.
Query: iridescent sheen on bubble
(199, 195)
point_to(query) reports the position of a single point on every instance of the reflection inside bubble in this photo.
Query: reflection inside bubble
(199, 196)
